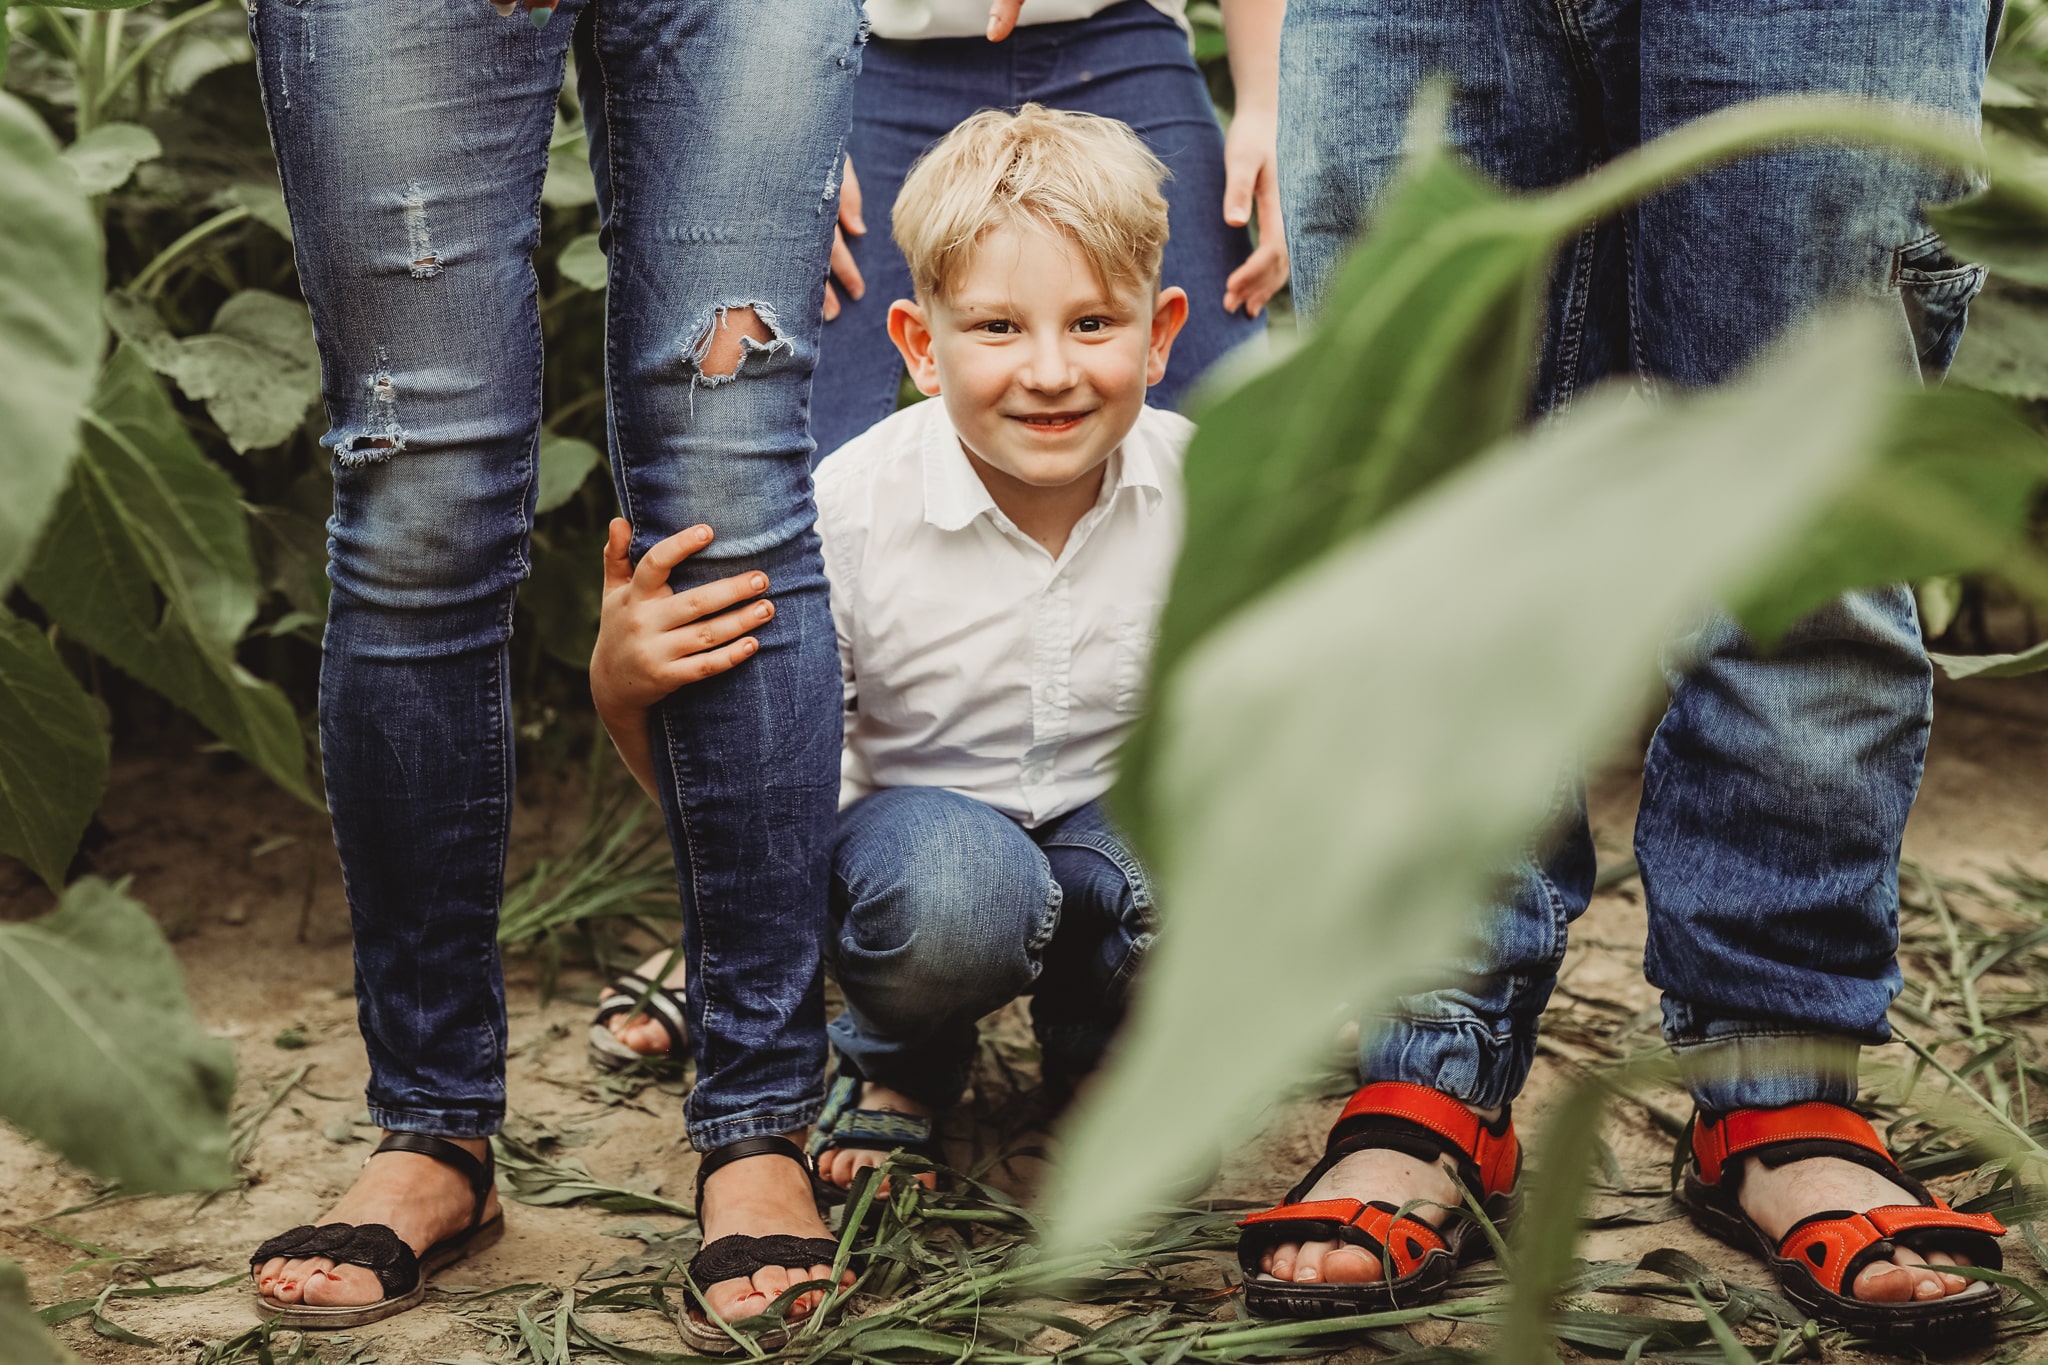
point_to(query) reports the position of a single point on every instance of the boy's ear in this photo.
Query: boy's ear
(1169, 315)
(912, 333)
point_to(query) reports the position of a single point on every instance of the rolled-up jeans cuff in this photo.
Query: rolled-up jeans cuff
(704, 1137)
(1465, 1058)
(1734, 1067)
(445, 1123)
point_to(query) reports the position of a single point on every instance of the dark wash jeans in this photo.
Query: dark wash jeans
(412, 139)
(944, 909)
(1127, 62)
(1776, 788)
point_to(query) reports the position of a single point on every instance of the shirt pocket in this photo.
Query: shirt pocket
(1135, 631)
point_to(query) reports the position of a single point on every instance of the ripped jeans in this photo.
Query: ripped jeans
(413, 141)
(1776, 788)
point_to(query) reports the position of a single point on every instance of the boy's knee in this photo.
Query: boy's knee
(945, 945)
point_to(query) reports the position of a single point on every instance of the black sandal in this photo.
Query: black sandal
(868, 1130)
(738, 1256)
(379, 1250)
(667, 1006)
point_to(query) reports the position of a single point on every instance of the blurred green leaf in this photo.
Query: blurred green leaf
(582, 262)
(568, 184)
(1546, 1232)
(101, 1057)
(1951, 491)
(22, 1338)
(565, 463)
(257, 371)
(2005, 347)
(563, 596)
(105, 157)
(53, 752)
(2004, 226)
(50, 329)
(82, 4)
(147, 561)
(264, 202)
(1411, 786)
(1960, 666)
(1423, 359)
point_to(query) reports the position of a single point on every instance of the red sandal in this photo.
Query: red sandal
(1823, 1253)
(1419, 1259)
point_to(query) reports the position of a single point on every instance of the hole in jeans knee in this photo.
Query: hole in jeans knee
(733, 332)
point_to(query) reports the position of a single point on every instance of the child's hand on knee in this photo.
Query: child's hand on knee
(652, 640)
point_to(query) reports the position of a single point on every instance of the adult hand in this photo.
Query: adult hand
(651, 639)
(843, 268)
(1251, 167)
(1002, 18)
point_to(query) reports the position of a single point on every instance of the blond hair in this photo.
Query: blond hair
(1086, 177)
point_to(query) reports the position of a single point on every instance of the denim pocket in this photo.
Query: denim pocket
(1936, 290)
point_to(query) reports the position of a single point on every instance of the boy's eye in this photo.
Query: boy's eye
(1092, 325)
(999, 327)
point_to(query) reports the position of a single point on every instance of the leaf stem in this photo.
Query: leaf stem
(2004, 1120)
(132, 63)
(1755, 126)
(150, 280)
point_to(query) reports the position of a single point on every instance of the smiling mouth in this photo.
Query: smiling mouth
(1049, 422)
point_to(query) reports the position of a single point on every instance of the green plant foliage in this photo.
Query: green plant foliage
(565, 463)
(22, 1338)
(105, 157)
(1960, 666)
(2005, 347)
(582, 262)
(1413, 784)
(147, 562)
(2004, 226)
(1429, 341)
(257, 371)
(1951, 490)
(53, 752)
(50, 330)
(101, 1057)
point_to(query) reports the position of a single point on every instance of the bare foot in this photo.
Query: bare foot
(1777, 1199)
(1376, 1173)
(415, 1196)
(644, 1035)
(839, 1165)
(760, 1196)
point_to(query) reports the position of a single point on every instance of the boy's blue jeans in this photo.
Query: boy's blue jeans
(1128, 62)
(1777, 786)
(413, 141)
(945, 909)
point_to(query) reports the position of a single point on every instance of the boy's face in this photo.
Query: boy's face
(1041, 368)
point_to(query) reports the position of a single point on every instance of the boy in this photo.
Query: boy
(997, 560)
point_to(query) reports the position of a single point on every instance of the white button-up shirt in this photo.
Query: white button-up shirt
(973, 659)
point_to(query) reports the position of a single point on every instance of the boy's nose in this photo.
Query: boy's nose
(1049, 369)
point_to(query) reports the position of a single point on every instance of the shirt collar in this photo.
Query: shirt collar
(954, 494)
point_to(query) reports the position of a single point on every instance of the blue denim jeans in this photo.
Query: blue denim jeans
(1777, 786)
(413, 140)
(944, 909)
(1128, 62)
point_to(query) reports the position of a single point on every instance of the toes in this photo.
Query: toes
(266, 1274)
(1280, 1262)
(345, 1286)
(1883, 1282)
(1308, 1262)
(1350, 1265)
(1950, 1284)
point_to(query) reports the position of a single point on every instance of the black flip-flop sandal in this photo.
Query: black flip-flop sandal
(1820, 1256)
(1419, 1260)
(667, 1006)
(739, 1256)
(378, 1249)
(841, 1125)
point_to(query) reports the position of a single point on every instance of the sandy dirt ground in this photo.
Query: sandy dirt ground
(246, 884)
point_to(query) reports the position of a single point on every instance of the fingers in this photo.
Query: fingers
(710, 663)
(698, 603)
(651, 575)
(843, 268)
(1254, 283)
(618, 569)
(1002, 19)
(1240, 175)
(849, 202)
(699, 637)
(831, 308)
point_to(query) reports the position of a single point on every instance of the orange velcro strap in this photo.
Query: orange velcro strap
(1893, 1219)
(1498, 1157)
(1405, 1242)
(1829, 1246)
(1745, 1130)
